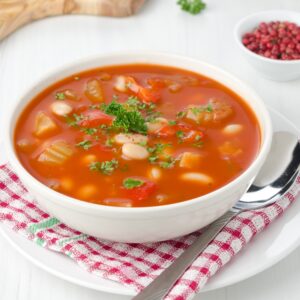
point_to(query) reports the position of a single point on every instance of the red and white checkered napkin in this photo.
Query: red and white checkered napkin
(134, 265)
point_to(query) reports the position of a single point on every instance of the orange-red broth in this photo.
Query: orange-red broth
(220, 155)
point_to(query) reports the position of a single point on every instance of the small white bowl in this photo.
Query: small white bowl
(141, 224)
(277, 70)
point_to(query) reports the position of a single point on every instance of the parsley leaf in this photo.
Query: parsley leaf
(172, 122)
(194, 7)
(73, 121)
(156, 150)
(181, 114)
(89, 131)
(180, 135)
(168, 164)
(126, 120)
(105, 167)
(60, 96)
(85, 145)
(130, 183)
(109, 142)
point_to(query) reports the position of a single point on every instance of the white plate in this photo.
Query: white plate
(265, 250)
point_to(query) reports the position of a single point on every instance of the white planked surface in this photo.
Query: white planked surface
(45, 45)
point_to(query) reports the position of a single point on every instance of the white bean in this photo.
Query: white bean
(123, 202)
(134, 151)
(123, 138)
(189, 160)
(60, 108)
(154, 173)
(156, 124)
(197, 177)
(232, 129)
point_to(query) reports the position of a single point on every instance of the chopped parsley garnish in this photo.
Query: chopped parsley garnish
(180, 135)
(126, 120)
(209, 108)
(60, 96)
(198, 109)
(89, 131)
(156, 150)
(153, 158)
(194, 7)
(105, 167)
(172, 122)
(73, 121)
(135, 104)
(168, 164)
(143, 143)
(181, 114)
(130, 183)
(152, 116)
(109, 142)
(85, 145)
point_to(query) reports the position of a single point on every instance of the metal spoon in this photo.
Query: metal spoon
(274, 179)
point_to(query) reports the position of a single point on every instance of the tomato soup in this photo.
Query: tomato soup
(136, 135)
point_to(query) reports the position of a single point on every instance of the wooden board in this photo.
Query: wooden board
(16, 13)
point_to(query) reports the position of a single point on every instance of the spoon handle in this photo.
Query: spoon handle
(160, 286)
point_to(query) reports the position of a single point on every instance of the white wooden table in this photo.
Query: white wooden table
(45, 45)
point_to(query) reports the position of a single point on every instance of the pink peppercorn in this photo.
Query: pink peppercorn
(275, 40)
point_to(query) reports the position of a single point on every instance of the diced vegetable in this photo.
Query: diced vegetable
(147, 96)
(134, 151)
(56, 154)
(166, 131)
(25, 145)
(95, 118)
(189, 160)
(120, 84)
(197, 177)
(44, 125)
(87, 191)
(214, 112)
(128, 83)
(94, 91)
(61, 108)
(232, 129)
(156, 125)
(141, 192)
(123, 138)
(71, 95)
(228, 149)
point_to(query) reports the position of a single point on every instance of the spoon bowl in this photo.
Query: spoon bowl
(276, 175)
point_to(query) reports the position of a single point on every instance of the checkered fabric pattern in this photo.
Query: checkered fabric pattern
(134, 265)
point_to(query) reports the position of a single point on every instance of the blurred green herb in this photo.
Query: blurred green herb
(194, 7)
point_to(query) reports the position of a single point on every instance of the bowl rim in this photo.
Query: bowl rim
(246, 19)
(73, 203)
